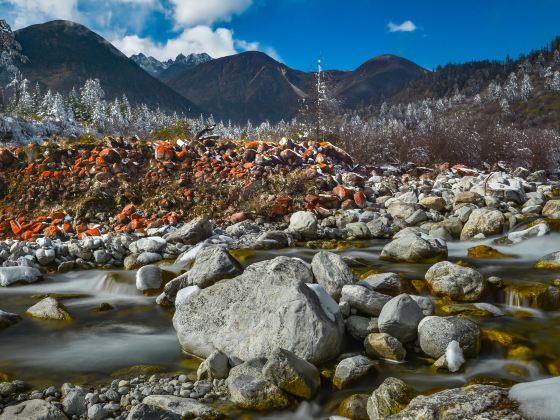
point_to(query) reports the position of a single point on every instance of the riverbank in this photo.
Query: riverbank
(434, 278)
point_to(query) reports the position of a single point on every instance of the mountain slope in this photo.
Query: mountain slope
(64, 54)
(254, 86)
(377, 79)
(250, 85)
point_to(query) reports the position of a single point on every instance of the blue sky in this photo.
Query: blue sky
(343, 33)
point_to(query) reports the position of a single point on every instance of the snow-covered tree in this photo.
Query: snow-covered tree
(511, 88)
(526, 88)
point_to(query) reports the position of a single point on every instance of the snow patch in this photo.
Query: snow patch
(538, 399)
(328, 304)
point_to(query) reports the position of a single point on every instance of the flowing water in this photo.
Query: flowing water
(96, 344)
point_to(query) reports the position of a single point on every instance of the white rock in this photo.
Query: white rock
(10, 275)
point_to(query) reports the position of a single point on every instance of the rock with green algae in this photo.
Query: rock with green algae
(389, 399)
(456, 282)
(549, 262)
(486, 252)
(49, 309)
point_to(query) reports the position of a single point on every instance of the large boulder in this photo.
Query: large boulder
(400, 318)
(435, 333)
(33, 410)
(211, 265)
(191, 233)
(11, 275)
(331, 272)
(304, 223)
(182, 407)
(364, 300)
(389, 398)
(455, 281)
(474, 401)
(251, 389)
(268, 307)
(292, 374)
(49, 309)
(483, 221)
(415, 248)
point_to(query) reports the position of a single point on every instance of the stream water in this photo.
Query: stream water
(96, 345)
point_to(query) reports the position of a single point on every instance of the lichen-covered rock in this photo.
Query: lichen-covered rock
(435, 333)
(268, 307)
(49, 309)
(474, 401)
(389, 399)
(384, 346)
(552, 209)
(251, 389)
(351, 370)
(455, 281)
(485, 221)
(292, 374)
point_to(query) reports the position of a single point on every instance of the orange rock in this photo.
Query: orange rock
(342, 192)
(360, 199)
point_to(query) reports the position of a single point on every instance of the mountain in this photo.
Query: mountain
(64, 54)
(166, 69)
(376, 79)
(254, 86)
(247, 86)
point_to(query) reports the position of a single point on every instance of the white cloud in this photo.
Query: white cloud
(27, 12)
(206, 12)
(406, 26)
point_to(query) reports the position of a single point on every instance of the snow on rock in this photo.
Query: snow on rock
(185, 293)
(538, 399)
(328, 304)
(454, 356)
(11, 275)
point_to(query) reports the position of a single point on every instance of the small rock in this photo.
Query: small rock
(49, 309)
(384, 346)
(351, 370)
(148, 277)
(400, 318)
(331, 272)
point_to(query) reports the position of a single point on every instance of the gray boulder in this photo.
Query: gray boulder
(384, 346)
(304, 223)
(455, 281)
(400, 318)
(148, 277)
(192, 232)
(351, 370)
(292, 374)
(74, 401)
(483, 221)
(435, 333)
(366, 301)
(45, 256)
(268, 307)
(33, 410)
(150, 412)
(411, 248)
(11, 275)
(386, 283)
(215, 366)
(360, 327)
(211, 265)
(251, 389)
(331, 272)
